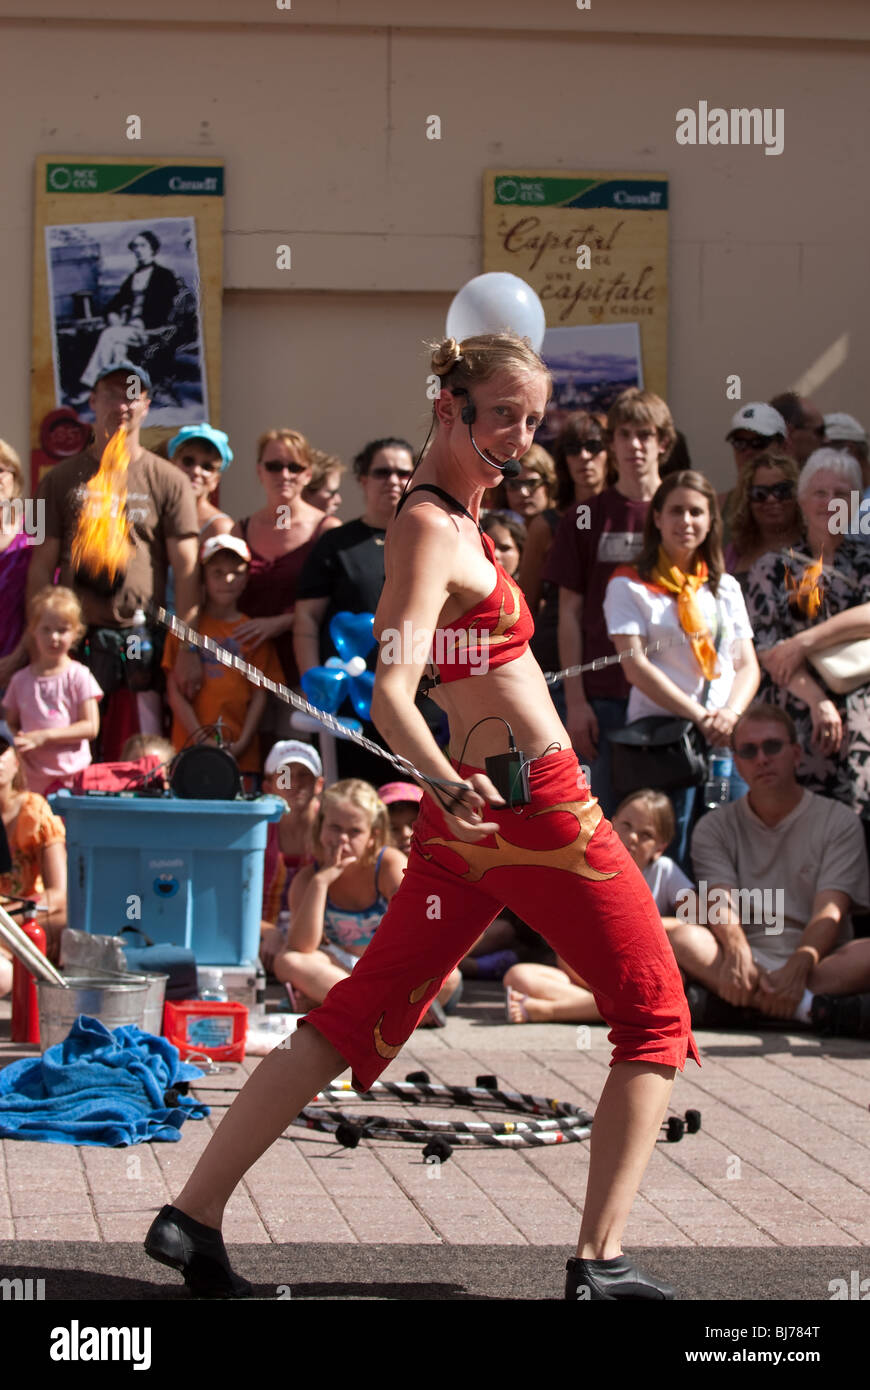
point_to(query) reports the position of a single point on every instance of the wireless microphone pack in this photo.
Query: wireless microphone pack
(509, 773)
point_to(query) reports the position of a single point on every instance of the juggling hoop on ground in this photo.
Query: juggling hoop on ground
(544, 1121)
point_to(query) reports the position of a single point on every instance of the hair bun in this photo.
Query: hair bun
(445, 356)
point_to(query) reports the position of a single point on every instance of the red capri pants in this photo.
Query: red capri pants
(560, 866)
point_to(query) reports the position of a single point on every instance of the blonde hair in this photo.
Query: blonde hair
(141, 745)
(322, 464)
(461, 366)
(9, 456)
(291, 438)
(58, 599)
(363, 796)
(660, 809)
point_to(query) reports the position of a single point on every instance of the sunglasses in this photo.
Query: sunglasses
(743, 444)
(382, 473)
(586, 446)
(768, 746)
(759, 492)
(524, 484)
(211, 467)
(277, 466)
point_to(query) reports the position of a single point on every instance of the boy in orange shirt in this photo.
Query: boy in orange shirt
(225, 696)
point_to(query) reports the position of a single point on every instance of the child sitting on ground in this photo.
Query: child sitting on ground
(227, 705)
(293, 772)
(337, 903)
(51, 705)
(644, 823)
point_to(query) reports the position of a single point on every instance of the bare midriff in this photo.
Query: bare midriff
(518, 693)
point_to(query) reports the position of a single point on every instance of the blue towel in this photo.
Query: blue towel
(98, 1087)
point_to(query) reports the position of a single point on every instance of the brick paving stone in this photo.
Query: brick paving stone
(56, 1228)
(789, 1111)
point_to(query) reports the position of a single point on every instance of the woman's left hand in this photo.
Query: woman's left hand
(257, 630)
(827, 727)
(720, 725)
(782, 661)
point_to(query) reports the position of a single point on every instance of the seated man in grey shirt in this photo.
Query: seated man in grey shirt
(778, 873)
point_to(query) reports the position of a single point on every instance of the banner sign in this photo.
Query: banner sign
(128, 265)
(594, 247)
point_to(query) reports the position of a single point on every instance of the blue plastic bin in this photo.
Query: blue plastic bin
(193, 869)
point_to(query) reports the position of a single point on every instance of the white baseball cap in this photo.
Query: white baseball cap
(758, 418)
(845, 428)
(214, 544)
(292, 750)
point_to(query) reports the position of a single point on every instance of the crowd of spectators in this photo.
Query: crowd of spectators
(732, 616)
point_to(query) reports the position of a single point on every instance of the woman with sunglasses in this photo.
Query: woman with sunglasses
(203, 453)
(765, 512)
(807, 599)
(279, 536)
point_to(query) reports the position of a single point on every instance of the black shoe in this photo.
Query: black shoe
(611, 1280)
(175, 1239)
(841, 1015)
(707, 1010)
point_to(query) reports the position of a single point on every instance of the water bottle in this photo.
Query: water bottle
(211, 985)
(717, 788)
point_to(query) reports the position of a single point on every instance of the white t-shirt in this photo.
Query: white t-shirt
(632, 608)
(665, 880)
(819, 845)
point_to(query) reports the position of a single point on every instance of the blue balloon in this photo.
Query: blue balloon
(361, 688)
(352, 633)
(325, 687)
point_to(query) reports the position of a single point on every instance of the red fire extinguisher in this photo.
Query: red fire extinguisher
(25, 1003)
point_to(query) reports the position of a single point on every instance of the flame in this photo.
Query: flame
(806, 591)
(101, 544)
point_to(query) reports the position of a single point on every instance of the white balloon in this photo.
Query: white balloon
(493, 303)
(355, 666)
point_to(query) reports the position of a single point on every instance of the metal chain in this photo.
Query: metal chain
(335, 726)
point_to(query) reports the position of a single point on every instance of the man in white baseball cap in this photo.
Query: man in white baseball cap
(293, 772)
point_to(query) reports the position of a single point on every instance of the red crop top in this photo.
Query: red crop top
(495, 631)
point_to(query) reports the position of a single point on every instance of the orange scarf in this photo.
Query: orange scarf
(667, 576)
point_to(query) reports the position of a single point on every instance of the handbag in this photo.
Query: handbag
(661, 750)
(845, 666)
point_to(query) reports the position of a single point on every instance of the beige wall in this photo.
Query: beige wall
(321, 125)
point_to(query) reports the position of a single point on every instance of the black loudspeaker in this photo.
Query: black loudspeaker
(205, 773)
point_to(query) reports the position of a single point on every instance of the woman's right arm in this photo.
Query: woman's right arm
(307, 905)
(415, 591)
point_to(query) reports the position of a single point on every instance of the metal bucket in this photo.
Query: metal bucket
(116, 1000)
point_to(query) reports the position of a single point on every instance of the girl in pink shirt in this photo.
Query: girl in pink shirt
(51, 705)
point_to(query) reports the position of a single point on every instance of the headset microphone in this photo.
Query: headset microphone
(512, 468)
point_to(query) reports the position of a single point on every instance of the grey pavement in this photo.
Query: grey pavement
(770, 1200)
